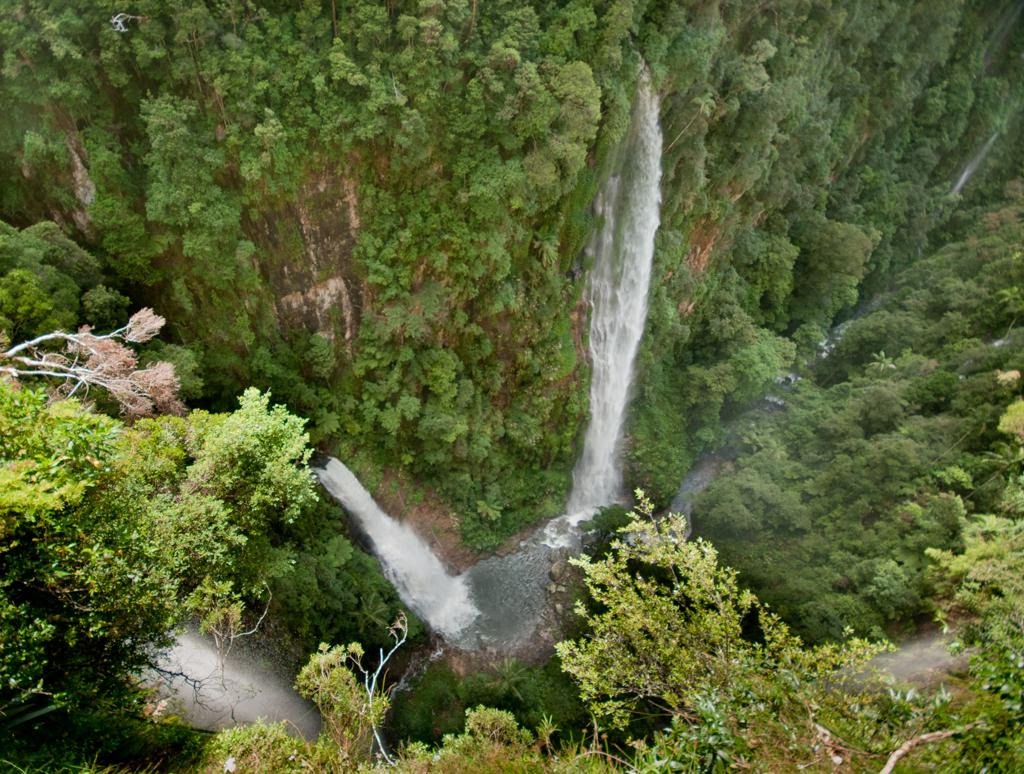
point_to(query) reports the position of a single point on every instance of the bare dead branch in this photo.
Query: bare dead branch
(197, 684)
(910, 744)
(84, 359)
(399, 631)
(266, 610)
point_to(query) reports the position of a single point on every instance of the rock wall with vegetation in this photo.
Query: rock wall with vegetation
(810, 151)
(380, 211)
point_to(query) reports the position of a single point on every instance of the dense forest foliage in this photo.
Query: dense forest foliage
(390, 237)
(885, 447)
(367, 225)
(114, 536)
(826, 148)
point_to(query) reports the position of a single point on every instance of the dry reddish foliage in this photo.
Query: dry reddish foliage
(84, 360)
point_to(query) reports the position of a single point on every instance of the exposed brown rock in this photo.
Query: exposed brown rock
(686, 307)
(703, 237)
(84, 188)
(314, 305)
(322, 293)
(436, 522)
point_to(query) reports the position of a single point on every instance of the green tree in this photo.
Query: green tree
(104, 308)
(666, 631)
(42, 275)
(352, 713)
(27, 309)
(1012, 421)
(982, 589)
(108, 531)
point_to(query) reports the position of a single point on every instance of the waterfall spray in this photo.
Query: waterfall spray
(973, 164)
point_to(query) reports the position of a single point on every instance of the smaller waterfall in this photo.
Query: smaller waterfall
(1001, 32)
(440, 599)
(973, 164)
(623, 249)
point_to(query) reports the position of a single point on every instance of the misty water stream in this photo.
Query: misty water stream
(213, 694)
(972, 165)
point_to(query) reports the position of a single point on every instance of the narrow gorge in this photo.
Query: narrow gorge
(497, 603)
(447, 386)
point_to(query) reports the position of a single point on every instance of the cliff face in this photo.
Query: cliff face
(318, 289)
(380, 214)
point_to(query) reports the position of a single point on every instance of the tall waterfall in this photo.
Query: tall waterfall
(973, 164)
(500, 601)
(622, 249)
(440, 599)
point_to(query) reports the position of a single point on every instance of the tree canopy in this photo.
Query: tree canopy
(112, 532)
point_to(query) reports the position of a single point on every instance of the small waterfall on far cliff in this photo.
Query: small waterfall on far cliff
(623, 249)
(1002, 32)
(440, 599)
(973, 164)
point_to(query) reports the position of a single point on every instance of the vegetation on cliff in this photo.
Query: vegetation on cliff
(889, 446)
(391, 237)
(379, 215)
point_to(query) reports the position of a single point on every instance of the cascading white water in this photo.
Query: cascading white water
(440, 599)
(973, 164)
(623, 249)
(499, 601)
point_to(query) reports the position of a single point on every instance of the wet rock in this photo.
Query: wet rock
(558, 569)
